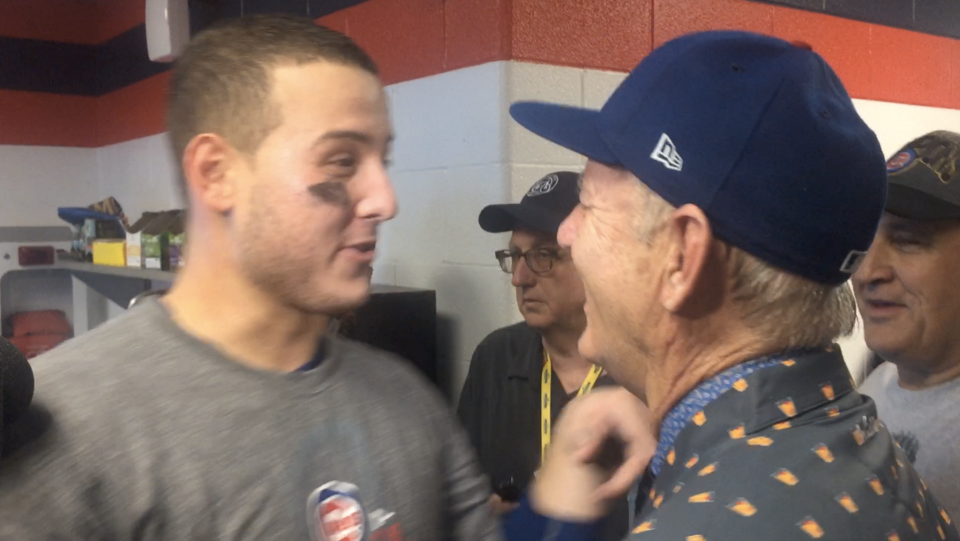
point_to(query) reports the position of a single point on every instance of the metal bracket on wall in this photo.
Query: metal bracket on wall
(118, 289)
(119, 284)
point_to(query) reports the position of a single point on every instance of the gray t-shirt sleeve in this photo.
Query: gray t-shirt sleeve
(467, 490)
(145, 433)
(48, 489)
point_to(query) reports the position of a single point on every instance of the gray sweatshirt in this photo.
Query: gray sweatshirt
(139, 431)
(926, 424)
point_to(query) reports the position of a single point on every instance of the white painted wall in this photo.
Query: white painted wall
(456, 151)
(141, 174)
(34, 181)
(449, 162)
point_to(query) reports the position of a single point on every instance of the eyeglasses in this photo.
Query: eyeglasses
(539, 260)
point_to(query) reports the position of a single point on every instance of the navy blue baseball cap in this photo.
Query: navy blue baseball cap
(547, 203)
(757, 132)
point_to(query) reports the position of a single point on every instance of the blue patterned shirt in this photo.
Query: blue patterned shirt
(708, 391)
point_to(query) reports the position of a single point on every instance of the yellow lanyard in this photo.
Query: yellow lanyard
(545, 380)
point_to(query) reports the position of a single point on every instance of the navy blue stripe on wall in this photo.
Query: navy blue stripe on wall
(67, 68)
(310, 8)
(94, 70)
(209, 11)
(939, 17)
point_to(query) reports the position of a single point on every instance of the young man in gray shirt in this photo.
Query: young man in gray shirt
(908, 296)
(225, 411)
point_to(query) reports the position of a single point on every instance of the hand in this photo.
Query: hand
(501, 507)
(571, 485)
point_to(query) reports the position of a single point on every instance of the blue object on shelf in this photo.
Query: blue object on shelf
(76, 215)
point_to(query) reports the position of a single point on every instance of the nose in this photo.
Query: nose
(568, 229)
(876, 267)
(522, 275)
(378, 200)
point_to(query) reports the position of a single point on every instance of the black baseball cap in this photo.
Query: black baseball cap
(548, 202)
(922, 178)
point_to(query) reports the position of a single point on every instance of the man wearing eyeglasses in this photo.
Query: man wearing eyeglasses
(521, 376)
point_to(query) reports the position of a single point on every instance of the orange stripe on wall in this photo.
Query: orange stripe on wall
(35, 118)
(136, 111)
(410, 40)
(115, 17)
(875, 62)
(70, 21)
(86, 22)
(672, 18)
(476, 32)
(404, 38)
(599, 34)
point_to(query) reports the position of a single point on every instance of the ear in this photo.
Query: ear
(689, 240)
(209, 166)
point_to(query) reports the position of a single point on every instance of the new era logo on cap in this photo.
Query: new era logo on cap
(666, 153)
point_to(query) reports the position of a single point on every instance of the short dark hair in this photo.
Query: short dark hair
(222, 82)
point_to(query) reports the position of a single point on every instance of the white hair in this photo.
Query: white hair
(787, 310)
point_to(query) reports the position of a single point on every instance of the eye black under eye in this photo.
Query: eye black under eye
(333, 193)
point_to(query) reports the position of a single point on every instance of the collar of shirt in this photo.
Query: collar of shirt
(529, 362)
(317, 359)
(705, 393)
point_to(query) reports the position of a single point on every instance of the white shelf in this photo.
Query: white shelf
(122, 272)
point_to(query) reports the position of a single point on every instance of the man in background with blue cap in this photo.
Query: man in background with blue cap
(731, 191)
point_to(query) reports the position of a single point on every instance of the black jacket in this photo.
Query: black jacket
(500, 408)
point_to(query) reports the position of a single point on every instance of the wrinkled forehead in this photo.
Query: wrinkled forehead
(525, 239)
(603, 181)
(891, 223)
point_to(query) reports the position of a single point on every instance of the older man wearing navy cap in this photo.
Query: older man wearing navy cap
(731, 191)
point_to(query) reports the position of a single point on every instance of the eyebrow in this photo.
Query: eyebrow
(359, 137)
(537, 246)
(917, 228)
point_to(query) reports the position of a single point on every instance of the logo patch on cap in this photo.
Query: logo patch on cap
(544, 185)
(666, 153)
(901, 161)
(940, 151)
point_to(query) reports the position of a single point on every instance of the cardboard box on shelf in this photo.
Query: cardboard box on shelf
(134, 239)
(177, 235)
(110, 252)
(155, 242)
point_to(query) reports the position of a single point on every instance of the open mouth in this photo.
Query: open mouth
(364, 251)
